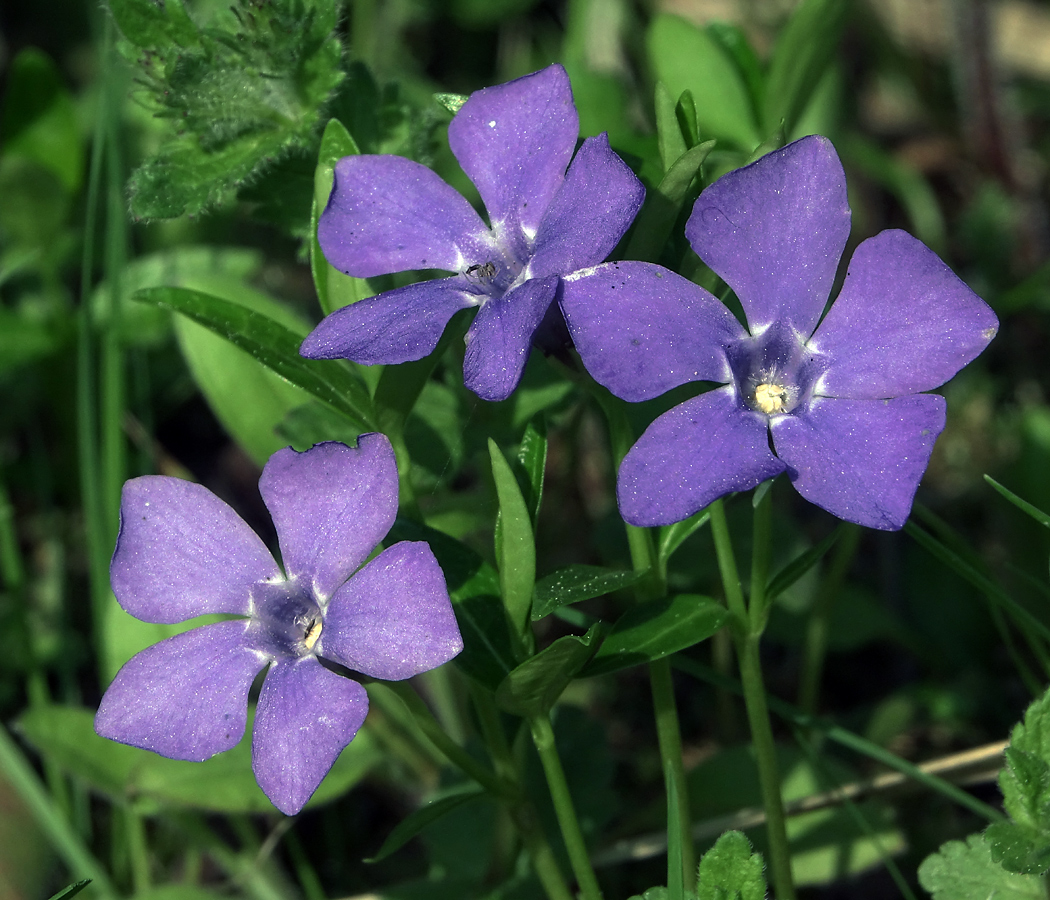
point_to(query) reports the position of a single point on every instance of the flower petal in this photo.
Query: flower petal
(393, 327)
(903, 323)
(590, 213)
(306, 716)
(695, 453)
(182, 552)
(861, 460)
(514, 141)
(640, 329)
(500, 338)
(388, 214)
(393, 619)
(775, 231)
(331, 506)
(186, 697)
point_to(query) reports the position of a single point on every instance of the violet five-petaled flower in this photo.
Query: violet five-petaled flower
(839, 406)
(387, 214)
(182, 552)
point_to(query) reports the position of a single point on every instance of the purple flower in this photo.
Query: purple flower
(842, 400)
(389, 214)
(182, 552)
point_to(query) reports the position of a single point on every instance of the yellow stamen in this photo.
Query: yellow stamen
(771, 398)
(312, 634)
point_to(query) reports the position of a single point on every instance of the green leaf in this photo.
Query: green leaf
(535, 685)
(149, 24)
(515, 546)
(178, 892)
(672, 536)
(575, 583)
(657, 629)
(1041, 517)
(474, 587)
(730, 871)
(247, 397)
(967, 871)
(409, 827)
(685, 57)
(224, 783)
(71, 890)
(803, 51)
(532, 458)
(1018, 848)
(334, 288)
(40, 118)
(799, 566)
(735, 43)
(668, 130)
(1025, 779)
(662, 206)
(452, 102)
(275, 346)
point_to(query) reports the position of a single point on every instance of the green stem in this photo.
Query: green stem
(575, 846)
(668, 731)
(453, 752)
(820, 618)
(669, 739)
(747, 641)
(521, 811)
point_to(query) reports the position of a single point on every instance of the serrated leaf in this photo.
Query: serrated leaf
(149, 24)
(474, 587)
(275, 346)
(532, 460)
(803, 51)
(967, 871)
(657, 629)
(535, 685)
(800, 565)
(515, 545)
(730, 871)
(576, 583)
(1025, 779)
(685, 57)
(426, 815)
(1018, 848)
(334, 288)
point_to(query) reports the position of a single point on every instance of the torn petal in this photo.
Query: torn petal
(331, 505)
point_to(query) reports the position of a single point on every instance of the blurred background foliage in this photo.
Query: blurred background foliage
(178, 144)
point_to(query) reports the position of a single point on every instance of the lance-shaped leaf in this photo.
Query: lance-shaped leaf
(668, 130)
(436, 809)
(71, 890)
(515, 545)
(532, 459)
(334, 289)
(271, 344)
(657, 629)
(662, 206)
(535, 686)
(672, 536)
(799, 566)
(576, 583)
(802, 53)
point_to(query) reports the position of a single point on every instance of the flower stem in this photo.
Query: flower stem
(668, 732)
(453, 752)
(522, 812)
(747, 632)
(543, 738)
